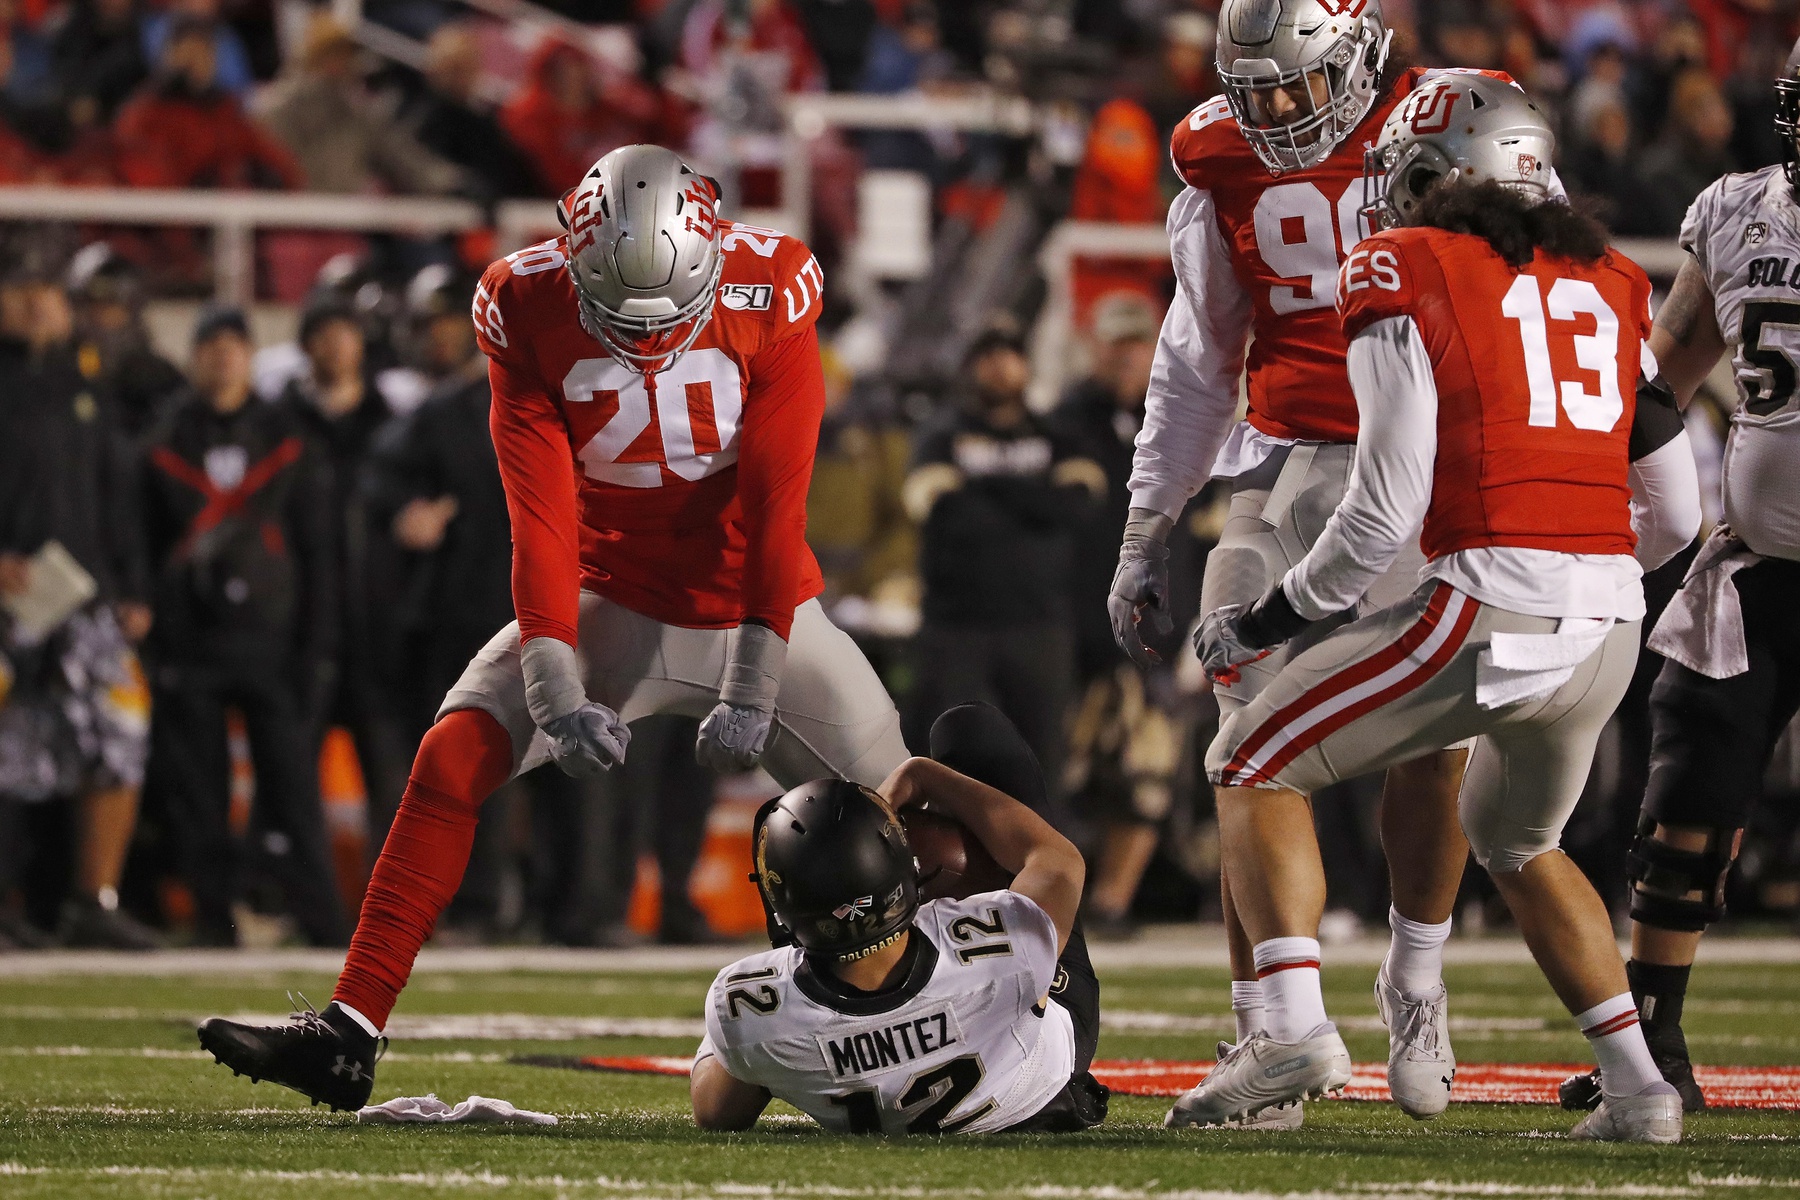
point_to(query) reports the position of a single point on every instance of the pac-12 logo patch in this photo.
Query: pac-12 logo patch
(1755, 233)
(747, 297)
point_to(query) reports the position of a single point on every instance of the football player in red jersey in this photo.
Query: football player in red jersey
(1495, 351)
(1274, 175)
(657, 393)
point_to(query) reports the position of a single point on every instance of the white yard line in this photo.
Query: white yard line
(1697, 1186)
(1161, 946)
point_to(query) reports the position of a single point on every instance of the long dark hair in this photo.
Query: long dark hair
(1514, 224)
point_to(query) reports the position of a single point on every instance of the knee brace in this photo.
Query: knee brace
(1679, 890)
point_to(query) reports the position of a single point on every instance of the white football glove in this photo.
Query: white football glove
(585, 738)
(740, 730)
(1221, 646)
(1140, 588)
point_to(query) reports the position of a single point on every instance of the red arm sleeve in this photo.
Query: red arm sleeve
(775, 461)
(538, 472)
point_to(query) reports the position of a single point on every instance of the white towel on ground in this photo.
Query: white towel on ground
(1703, 627)
(429, 1109)
(1517, 667)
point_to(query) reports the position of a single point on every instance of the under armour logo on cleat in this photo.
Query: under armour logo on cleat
(352, 1069)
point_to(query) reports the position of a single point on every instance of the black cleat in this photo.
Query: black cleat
(1580, 1092)
(326, 1057)
(1668, 1046)
(1668, 1049)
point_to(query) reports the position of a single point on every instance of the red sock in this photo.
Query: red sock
(463, 758)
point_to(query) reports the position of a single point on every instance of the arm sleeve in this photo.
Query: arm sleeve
(716, 1043)
(1665, 501)
(1390, 485)
(1193, 395)
(538, 471)
(1696, 223)
(775, 461)
(1033, 939)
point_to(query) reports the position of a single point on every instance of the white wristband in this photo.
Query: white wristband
(753, 667)
(552, 679)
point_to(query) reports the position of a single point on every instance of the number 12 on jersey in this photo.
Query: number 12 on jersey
(1569, 300)
(934, 1093)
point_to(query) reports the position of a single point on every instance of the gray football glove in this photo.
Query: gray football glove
(588, 741)
(585, 738)
(740, 730)
(1140, 589)
(1236, 635)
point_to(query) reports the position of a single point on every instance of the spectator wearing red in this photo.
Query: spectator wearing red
(569, 114)
(182, 131)
(1118, 182)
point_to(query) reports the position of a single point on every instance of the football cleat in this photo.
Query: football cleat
(1421, 1066)
(1259, 1074)
(1279, 1119)
(1653, 1115)
(1668, 1049)
(326, 1057)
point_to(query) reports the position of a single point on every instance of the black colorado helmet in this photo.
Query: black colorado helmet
(835, 869)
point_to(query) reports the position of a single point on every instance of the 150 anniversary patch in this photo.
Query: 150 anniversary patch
(747, 297)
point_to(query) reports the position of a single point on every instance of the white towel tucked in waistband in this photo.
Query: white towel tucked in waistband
(1517, 667)
(1703, 627)
(430, 1110)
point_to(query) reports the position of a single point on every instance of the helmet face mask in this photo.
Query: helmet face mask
(644, 255)
(1300, 75)
(1787, 118)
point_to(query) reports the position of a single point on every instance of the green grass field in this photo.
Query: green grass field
(103, 1093)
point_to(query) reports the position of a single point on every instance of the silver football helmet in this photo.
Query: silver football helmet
(644, 253)
(1300, 74)
(1455, 126)
(1787, 117)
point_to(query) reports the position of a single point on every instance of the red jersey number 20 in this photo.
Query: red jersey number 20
(699, 402)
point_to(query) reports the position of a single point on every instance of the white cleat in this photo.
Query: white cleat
(1279, 1119)
(1259, 1074)
(1421, 1066)
(1653, 1115)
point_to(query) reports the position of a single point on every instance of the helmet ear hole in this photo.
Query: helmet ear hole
(1419, 180)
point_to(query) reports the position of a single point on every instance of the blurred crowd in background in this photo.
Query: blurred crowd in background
(276, 553)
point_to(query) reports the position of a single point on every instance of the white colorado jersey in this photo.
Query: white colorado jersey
(969, 1043)
(1744, 231)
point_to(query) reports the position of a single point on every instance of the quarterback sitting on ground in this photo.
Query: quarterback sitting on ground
(888, 1015)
